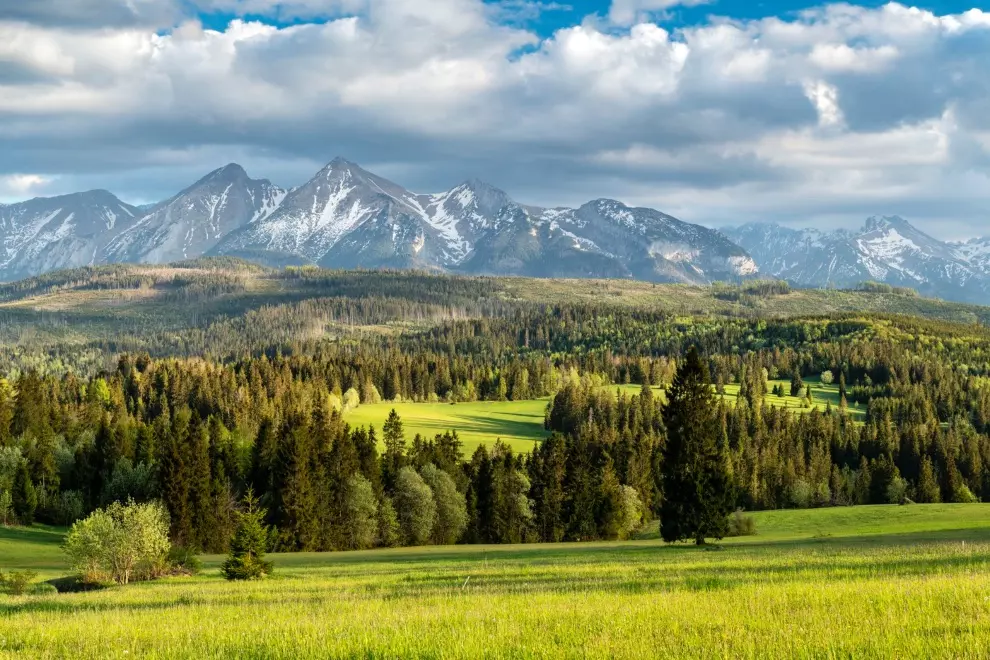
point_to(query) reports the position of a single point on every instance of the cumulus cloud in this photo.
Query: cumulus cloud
(834, 114)
(629, 12)
(17, 186)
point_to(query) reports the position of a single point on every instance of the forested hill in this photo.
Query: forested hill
(198, 383)
(82, 319)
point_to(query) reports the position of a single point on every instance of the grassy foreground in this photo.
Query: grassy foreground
(865, 582)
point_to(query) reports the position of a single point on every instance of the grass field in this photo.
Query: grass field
(520, 423)
(517, 423)
(863, 582)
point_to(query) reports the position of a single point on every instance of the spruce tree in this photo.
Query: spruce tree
(24, 497)
(246, 560)
(697, 492)
(796, 383)
(928, 491)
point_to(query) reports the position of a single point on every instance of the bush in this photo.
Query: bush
(964, 495)
(741, 525)
(17, 583)
(184, 561)
(632, 512)
(43, 589)
(120, 543)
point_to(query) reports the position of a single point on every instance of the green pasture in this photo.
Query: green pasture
(867, 582)
(517, 423)
(520, 423)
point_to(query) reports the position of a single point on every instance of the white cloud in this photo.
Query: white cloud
(837, 112)
(825, 98)
(17, 186)
(629, 12)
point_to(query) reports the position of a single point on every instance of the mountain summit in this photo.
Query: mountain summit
(886, 249)
(194, 221)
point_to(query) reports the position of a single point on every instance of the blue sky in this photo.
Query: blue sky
(565, 13)
(820, 118)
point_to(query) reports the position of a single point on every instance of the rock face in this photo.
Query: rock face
(886, 249)
(59, 232)
(191, 224)
(347, 217)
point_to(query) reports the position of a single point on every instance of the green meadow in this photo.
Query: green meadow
(517, 423)
(884, 581)
(520, 423)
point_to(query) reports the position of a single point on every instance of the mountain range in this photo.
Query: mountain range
(347, 217)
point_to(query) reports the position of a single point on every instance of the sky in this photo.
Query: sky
(719, 112)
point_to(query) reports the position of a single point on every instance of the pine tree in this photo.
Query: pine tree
(246, 560)
(927, 491)
(24, 497)
(796, 383)
(393, 460)
(697, 492)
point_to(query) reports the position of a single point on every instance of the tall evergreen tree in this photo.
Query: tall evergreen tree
(697, 490)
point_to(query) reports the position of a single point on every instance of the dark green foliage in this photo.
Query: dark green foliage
(697, 487)
(197, 413)
(246, 560)
(25, 497)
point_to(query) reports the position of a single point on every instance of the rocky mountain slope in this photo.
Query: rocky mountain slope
(46, 234)
(194, 221)
(346, 217)
(886, 249)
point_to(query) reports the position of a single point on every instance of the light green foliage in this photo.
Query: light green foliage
(452, 515)
(632, 512)
(120, 543)
(415, 507)
(17, 583)
(892, 582)
(6, 507)
(362, 510)
(827, 377)
(388, 524)
(741, 524)
(351, 400)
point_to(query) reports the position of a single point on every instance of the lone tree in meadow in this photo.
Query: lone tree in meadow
(697, 490)
(246, 560)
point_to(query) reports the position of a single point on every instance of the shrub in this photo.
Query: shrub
(801, 494)
(246, 560)
(632, 512)
(964, 495)
(120, 543)
(741, 525)
(43, 589)
(17, 583)
(184, 561)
